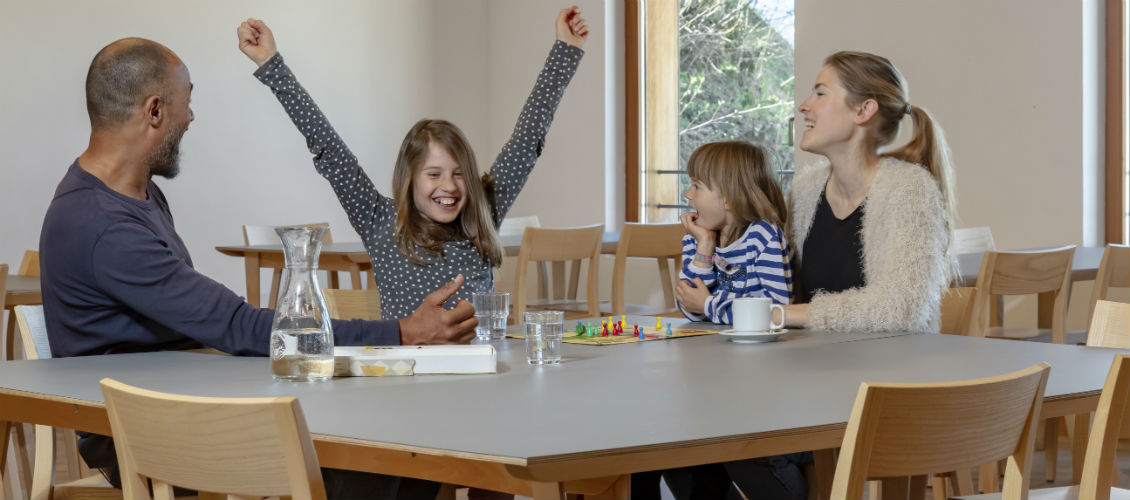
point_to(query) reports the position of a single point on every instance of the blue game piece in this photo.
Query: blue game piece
(669, 333)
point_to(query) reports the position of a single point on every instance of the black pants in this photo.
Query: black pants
(776, 477)
(98, 452)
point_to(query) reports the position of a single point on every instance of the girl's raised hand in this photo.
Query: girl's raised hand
(571, 27)
(256, 41)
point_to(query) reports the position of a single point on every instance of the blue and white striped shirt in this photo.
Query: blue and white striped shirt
(756, 265)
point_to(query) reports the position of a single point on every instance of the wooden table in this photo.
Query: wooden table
(581, 426)
(349, 256)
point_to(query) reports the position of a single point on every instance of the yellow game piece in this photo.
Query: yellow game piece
(658, 324)
(623, 321)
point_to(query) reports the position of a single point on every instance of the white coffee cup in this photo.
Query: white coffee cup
(755, 314)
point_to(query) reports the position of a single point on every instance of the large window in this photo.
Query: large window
(711, 70)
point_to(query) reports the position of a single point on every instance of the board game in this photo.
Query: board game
(625, 330)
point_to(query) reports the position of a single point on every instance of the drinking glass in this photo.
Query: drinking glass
(544, 330)
(491, 309)
(302, 339)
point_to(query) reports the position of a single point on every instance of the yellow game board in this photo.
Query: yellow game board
(650, 332)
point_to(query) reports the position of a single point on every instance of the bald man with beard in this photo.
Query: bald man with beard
(117, 278)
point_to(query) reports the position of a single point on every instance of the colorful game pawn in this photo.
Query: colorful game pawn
(636, 332)
(623, 321)
(658, 324)
(604, 330)
(580, 328)
(641, 336)
(669, 333)
(616, 330)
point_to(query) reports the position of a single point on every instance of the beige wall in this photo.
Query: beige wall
(1006, 80)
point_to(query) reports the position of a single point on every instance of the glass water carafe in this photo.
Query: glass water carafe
(302, 345)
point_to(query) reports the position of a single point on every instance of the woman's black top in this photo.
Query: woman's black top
(832, 257)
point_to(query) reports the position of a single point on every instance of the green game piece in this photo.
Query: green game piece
(580, 328)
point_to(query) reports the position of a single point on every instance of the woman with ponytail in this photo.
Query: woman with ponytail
(871, 224)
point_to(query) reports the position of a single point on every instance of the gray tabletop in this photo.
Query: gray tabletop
(600, 397)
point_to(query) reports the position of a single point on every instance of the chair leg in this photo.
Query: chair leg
(989, 478)
(1051, 448)
(939, 486)
(961, 482)
(824, 469)
(875, 490)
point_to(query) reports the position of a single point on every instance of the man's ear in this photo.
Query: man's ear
(153, 110)
(865, 111)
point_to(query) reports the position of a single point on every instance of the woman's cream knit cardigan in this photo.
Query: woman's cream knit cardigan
(904, 251)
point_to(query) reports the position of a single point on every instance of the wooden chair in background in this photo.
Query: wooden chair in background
(1100, 467)
(560, 245)
(972, 240)
(242, 447)
(29, 265)
(1114, 271)
(265, 235)
(898, 433)
(658, 241)
(353, 304)
(512, 226)
(61, 473)
(1022, 273)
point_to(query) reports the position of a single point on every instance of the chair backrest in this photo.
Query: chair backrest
(29, 266)
(1114, 271)
(559, 245)
(1098, 464)
(266, 235)
(236, 446)
(658, 241)
(3, 284)
(1021, 273)
(956, 307)
(899, 430)
(1110, 325)
(972, 240)
(517, 225)
(353, 304)
(32, 331)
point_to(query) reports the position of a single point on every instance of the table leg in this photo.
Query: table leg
(10, 338)
(1051, 447)
(1079, 446)
(824, 469)
(550, 491)
(251, 274)
(5, 479)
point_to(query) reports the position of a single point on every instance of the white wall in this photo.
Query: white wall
(1007, 81)
(375, 67)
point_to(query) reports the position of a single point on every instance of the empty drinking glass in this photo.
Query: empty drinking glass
(491, 309)
(544, 330)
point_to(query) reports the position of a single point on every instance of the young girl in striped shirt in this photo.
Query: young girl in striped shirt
(735, 244)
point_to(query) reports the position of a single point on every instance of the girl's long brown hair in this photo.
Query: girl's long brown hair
(414, 231)
(868, 76)
(743, 174)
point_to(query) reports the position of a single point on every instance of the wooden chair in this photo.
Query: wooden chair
(29, 266)
(956, 307)
(61, 474)
(658, 241)
(1110, 325)
(266, 235)
(898, 433)
(560, 245)
(1021, 273)
(512, 226)
(1114, 271)
(242, 447)
(1100, 468)
(353, 304)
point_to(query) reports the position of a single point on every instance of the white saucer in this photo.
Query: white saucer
(743, 337)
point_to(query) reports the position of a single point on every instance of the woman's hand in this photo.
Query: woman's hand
(705, 239)
(256, 41)
(692, 296)
(571, 27)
